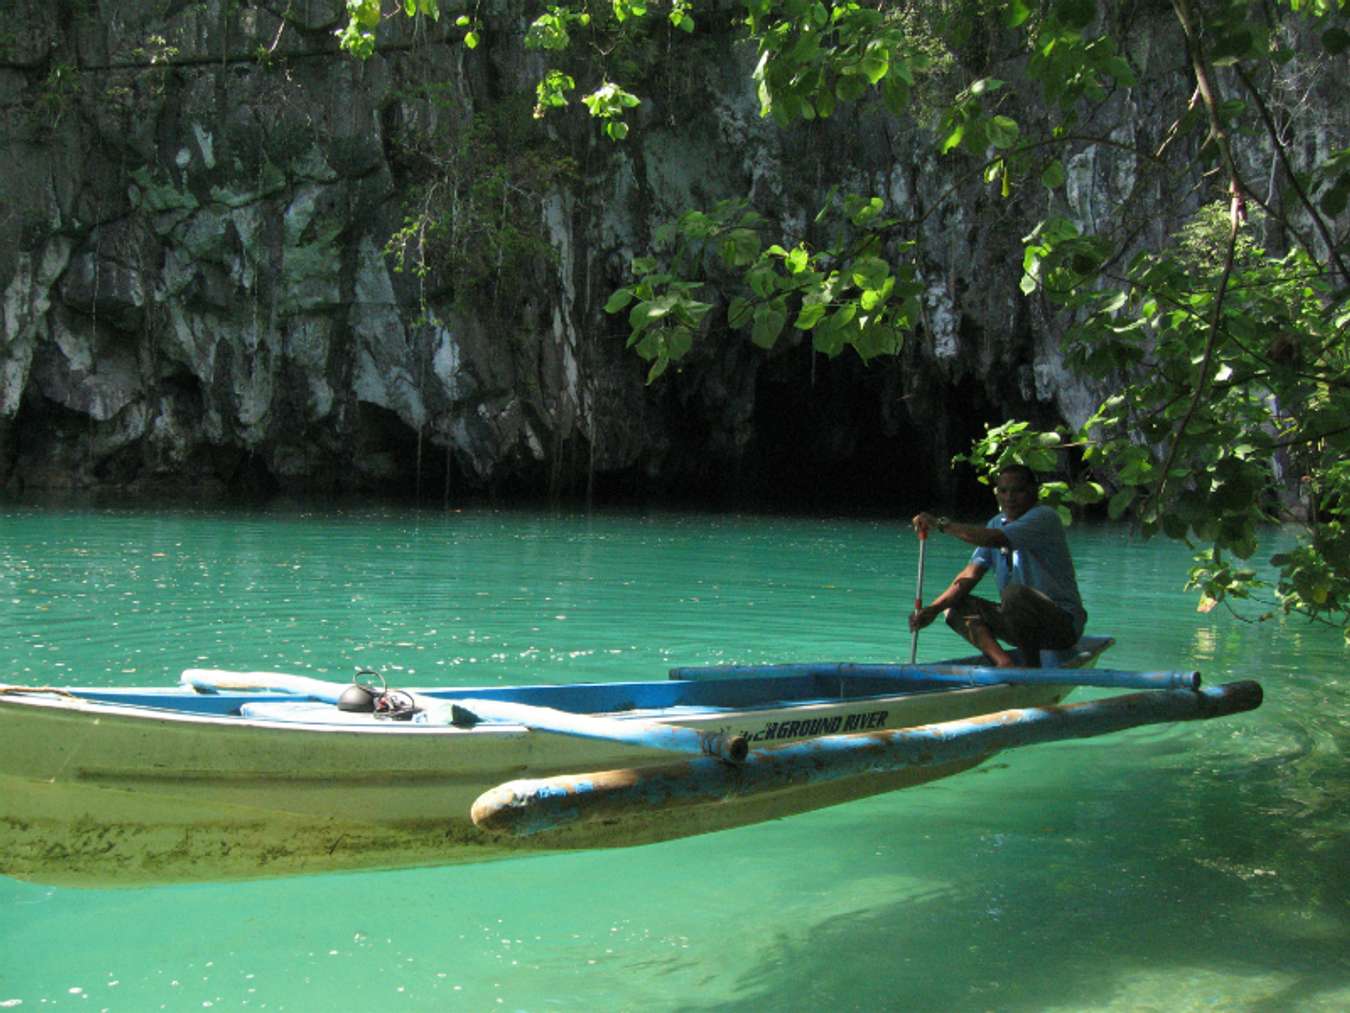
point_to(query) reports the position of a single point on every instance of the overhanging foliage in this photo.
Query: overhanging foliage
(1227, 362)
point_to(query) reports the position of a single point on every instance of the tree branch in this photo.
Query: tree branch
(1319, 222)
(1208, 95)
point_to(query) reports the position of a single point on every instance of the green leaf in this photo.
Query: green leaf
(1002, 131)
(849, 88)
(870, 272)
(811, 314)
(366, 13)
(769, 322)
(679, 341)
(1016, 13)
(621, 298)
(1119, 68)
(875, 65)
(1087, 492)
(895, 92)
(1333, 202)
(825, 103)
(762, 280)
(739, 247)
(1120, 502)
(644, 313)
(953, 139)
(874, 297)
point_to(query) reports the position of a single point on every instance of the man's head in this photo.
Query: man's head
(1017, 490)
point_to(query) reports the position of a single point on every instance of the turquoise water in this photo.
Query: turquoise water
(1191, 867)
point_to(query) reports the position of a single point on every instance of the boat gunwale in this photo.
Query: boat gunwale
(96, 707)
(70, 699)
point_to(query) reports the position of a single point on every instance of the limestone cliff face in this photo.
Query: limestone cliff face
(200, 288)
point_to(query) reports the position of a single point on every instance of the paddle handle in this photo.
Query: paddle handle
(918, 596)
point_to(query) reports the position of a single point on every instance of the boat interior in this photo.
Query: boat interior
(707, 688)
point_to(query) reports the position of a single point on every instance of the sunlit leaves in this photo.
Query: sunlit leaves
(552, 29)
(366, 13)
(625, 9)
(358, 35)
(967, 125)
(551, 91)
(608, 103)
(471, 35)
(850, 295)
(812, 56)
(1275, 380)
(663, 316)
(1068, 64)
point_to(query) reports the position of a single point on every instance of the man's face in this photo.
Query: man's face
(1015, 495)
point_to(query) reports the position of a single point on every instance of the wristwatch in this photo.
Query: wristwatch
(942, 525)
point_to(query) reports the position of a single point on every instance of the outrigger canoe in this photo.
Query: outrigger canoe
(247, 775)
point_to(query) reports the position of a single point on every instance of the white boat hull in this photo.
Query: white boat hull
(100, 795)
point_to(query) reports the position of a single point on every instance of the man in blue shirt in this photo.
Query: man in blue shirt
(1024, 545)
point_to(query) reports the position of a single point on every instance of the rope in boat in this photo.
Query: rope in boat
(383, 702)
(5, 689)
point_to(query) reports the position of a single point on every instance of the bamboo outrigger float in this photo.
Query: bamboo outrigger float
(245, 775)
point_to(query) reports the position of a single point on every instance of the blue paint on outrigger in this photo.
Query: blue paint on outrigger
(528, 807)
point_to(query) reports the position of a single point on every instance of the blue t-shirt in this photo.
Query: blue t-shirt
(1037, 556)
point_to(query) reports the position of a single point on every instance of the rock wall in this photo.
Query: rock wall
(200, 290)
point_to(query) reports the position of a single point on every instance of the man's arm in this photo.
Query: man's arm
(971, 534)
(957, 590)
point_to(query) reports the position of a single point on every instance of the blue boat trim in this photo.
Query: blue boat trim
(947, 676)
(262, 695)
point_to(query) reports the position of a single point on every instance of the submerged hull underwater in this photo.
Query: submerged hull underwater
(102, 792)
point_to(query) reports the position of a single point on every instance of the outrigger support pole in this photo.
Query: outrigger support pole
(526, 807)
(633, 731)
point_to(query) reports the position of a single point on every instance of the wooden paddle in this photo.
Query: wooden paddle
(918, 595)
